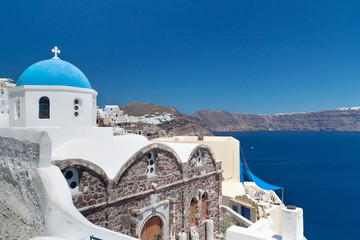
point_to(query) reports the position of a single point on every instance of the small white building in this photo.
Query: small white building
(100, 112)
(111, 114)
(114, 111)
(5, 84)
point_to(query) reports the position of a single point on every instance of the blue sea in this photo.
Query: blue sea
(319, 171)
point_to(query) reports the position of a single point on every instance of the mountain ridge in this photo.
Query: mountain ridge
(204, 122)
(343, 119)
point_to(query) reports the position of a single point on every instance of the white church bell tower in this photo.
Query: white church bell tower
(52, 93)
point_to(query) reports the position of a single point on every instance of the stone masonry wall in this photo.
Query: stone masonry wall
(91, 197)
(135, 180)
(196, 187)
(117, 204)
(193, 169)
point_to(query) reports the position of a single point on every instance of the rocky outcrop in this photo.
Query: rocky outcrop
(13, 227)
(21, 214)
(181, 124)
(152, 131)
(331, 120)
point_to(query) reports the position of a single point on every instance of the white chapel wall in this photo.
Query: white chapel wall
(62, 113)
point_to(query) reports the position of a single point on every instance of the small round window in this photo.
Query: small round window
(77, 108)
(150, 163)
(72, 178)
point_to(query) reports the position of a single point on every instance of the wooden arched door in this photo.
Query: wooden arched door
(152, 229)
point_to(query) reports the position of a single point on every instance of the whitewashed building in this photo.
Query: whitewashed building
(5, 84)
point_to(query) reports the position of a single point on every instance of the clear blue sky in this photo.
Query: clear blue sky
(240, 56)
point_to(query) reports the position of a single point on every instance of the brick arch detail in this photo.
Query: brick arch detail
(203, 146)
(75, 163)
(140, 153)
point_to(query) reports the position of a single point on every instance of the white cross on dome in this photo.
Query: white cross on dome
(56, 51)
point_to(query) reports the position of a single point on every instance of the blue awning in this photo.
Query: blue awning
(261, 184)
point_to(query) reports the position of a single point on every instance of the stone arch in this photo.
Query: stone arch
(82, 164)
(204, 147)
(160, 210)
(92, 191)
(151, 147)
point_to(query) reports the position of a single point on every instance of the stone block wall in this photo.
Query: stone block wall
(209, 187)
(194, 169)
(91, 197)
(121, 204)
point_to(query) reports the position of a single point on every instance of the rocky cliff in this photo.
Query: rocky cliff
(180, 125)
(346, 119)
(21, 199)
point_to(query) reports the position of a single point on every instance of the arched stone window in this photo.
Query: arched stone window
(193, 212)
(203, 206)
(44, 108)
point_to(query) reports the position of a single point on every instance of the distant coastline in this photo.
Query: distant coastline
(205, 122)
(344, 119)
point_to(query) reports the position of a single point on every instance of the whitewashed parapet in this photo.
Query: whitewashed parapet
(292, 223)
(41, 138)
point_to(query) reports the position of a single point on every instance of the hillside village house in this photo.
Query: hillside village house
(111, 115)
(124, 183)
(5, 84)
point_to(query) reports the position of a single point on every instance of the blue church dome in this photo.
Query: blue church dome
(54, 72)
